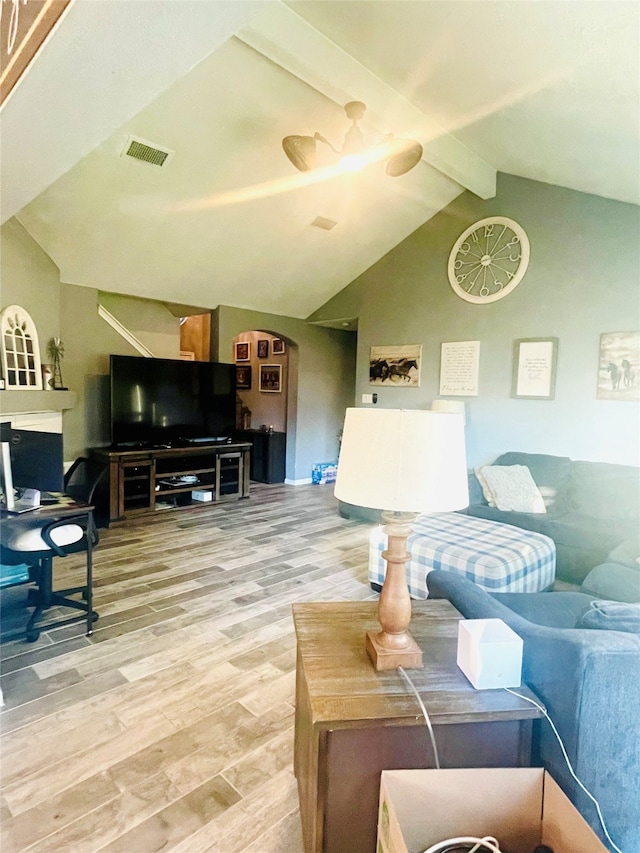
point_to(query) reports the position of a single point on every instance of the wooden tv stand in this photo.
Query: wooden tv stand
(147, 479)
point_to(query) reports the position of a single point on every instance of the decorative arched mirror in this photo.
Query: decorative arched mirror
(20, 349)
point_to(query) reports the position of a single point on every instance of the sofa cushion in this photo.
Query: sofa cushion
(611, 616)
(552, 609)
(550, 474)
(605, 490)
(613, 581)
(510, 488)
(589, 533)
(525, 520)
(627, 553)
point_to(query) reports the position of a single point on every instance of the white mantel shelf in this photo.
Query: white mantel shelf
(20, 402)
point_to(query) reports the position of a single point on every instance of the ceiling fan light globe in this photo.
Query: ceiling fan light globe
(406, 153)
(301, 151)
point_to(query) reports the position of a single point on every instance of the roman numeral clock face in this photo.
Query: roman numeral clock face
(488, 260)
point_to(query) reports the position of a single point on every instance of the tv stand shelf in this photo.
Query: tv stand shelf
(144, 480)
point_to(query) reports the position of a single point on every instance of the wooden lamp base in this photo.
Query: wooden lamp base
(385, 658)
(393, 646)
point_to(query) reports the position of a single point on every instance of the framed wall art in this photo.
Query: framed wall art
(459, 368)
(398, 366)
(243, 377)
(277, 346)
(263, 348)
(270, 378)
(534, 368)
(243, 351)
(619, 366)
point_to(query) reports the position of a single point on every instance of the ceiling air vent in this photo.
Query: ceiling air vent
(323, 222)
(148, 152)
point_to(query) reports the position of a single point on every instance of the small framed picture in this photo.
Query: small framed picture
(263, 348)
(534, 368)
(270, 378)
(243, 351)
(277, 346)
(243, 376)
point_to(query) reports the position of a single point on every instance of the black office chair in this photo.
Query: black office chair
(35, 541)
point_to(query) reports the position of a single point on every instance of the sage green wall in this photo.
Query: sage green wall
(151, 322)
(88, 342)
(582, 281)
(29, 278)
(322, 361)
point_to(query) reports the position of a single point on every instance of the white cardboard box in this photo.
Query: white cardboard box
(199, 495)
(521, 807)
(489, 653)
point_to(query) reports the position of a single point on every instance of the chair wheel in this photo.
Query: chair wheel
(32, 636)
(94, 616)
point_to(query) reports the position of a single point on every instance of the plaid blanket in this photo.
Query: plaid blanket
(497, 557)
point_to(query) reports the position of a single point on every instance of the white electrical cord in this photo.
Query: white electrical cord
(489, 842)
(566, 758)
(424, 714)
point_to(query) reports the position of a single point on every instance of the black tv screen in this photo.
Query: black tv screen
(165, 401)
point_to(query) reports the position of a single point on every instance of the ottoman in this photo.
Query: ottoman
(497, 557)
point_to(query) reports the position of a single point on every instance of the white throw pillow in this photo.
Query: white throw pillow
(512, 488)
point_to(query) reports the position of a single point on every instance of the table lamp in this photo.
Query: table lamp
(406, 462)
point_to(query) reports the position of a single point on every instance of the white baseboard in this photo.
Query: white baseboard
(304, 482)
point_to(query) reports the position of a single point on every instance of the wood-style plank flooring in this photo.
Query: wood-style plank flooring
(171, 728)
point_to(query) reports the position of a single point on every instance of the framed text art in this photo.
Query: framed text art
(243, 351)
(270, 378)
(277, 346)
(534, 368)
(263, 348)
(619, 366)
(243, 377)
(459, 368)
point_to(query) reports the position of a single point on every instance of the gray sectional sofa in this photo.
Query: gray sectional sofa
(592, 514)
(583, 663)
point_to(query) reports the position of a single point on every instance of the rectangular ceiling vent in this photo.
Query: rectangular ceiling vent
(148, 152)
(323, 222)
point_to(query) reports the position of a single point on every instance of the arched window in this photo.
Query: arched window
(20, 349)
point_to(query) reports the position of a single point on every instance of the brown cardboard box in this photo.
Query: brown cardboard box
(521, 807)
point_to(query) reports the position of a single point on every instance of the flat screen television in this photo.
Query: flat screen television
(162, 401)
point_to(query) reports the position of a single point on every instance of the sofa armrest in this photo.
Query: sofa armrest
(588, 682)
(476, 495)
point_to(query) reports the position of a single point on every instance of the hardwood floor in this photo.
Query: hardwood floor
(171, 728)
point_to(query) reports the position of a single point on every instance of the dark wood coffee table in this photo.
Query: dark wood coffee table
(353, 722)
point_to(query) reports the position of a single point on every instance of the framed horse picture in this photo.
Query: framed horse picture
(398, 366)
(619, 366)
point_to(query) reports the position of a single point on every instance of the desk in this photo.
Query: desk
(352, 722)
(67, 508)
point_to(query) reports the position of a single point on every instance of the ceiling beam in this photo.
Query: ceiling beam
(285, 38)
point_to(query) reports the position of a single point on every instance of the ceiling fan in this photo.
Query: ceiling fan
(399, 155)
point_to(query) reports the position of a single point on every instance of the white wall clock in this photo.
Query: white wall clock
(488, 260)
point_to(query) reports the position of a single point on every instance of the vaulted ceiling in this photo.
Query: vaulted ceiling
(545, 90)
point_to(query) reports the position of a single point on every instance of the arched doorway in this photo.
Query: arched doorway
(267, 374)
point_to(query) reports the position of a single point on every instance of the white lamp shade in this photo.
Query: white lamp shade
(406, 460)
(449, 406)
